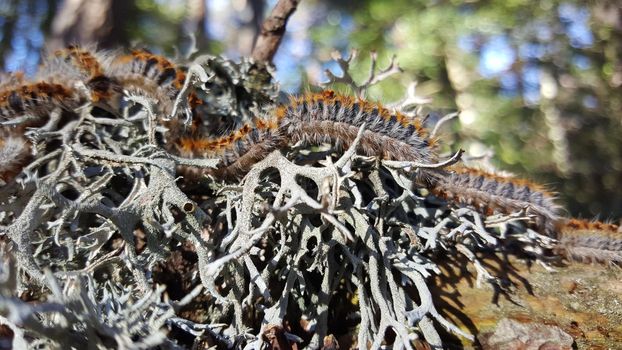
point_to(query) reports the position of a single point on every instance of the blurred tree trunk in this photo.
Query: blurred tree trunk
(258, 8)
(196, 22)
(251, 18)
(91, 22)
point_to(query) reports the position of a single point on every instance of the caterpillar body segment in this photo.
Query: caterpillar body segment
(313, 120)
(589, 241)
(492, 193)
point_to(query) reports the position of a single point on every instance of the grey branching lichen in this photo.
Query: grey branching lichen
(234, 92)
(114, 250)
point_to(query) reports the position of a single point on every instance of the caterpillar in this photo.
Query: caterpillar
(92, 65)
(311, 119)
(315, 119)
(589, 241)
(74, 76)
(331, 118)
(491, 192)
(77, 75)
(145, 73)
(37, 99)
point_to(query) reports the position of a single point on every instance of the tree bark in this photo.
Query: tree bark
(272, 30)
(90, 22)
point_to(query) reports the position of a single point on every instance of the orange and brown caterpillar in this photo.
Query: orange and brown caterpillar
(315, 119)
(492, 193)
(67, 79)
(93, 65)
(74, 76)
(331, 118)
(145, 73)
(37, 99)
(589, 241)
(107, 74)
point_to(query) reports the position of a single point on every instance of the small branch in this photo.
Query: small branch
(411, 101)
(111, 158)
(403, 164)
(376, 77)
(196, 162)
(272, 31)
(373, 78)
(196, 76)
(148, 105)
(442, 121)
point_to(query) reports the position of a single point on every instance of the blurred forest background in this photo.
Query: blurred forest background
(539, 84)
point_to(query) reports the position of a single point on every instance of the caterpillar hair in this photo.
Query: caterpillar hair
(9, 80)
(491, 193)
(37, 99)
(66, 79)
(315, 119)
(90, 65)
(14, 154)
(89, 61)
(331, 118)
(589, 241)
(145, 73)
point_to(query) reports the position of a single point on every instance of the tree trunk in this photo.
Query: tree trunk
(90, 22)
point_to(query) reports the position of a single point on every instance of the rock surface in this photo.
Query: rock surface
(583, 301)
(512, 334)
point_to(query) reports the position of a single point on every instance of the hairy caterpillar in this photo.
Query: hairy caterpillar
(37, 99)
(144, 73)
(315, 119)
(75, 75)
(491, 192)
(67, 79)
(331, 118)
(590, 241)
(92, 65)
